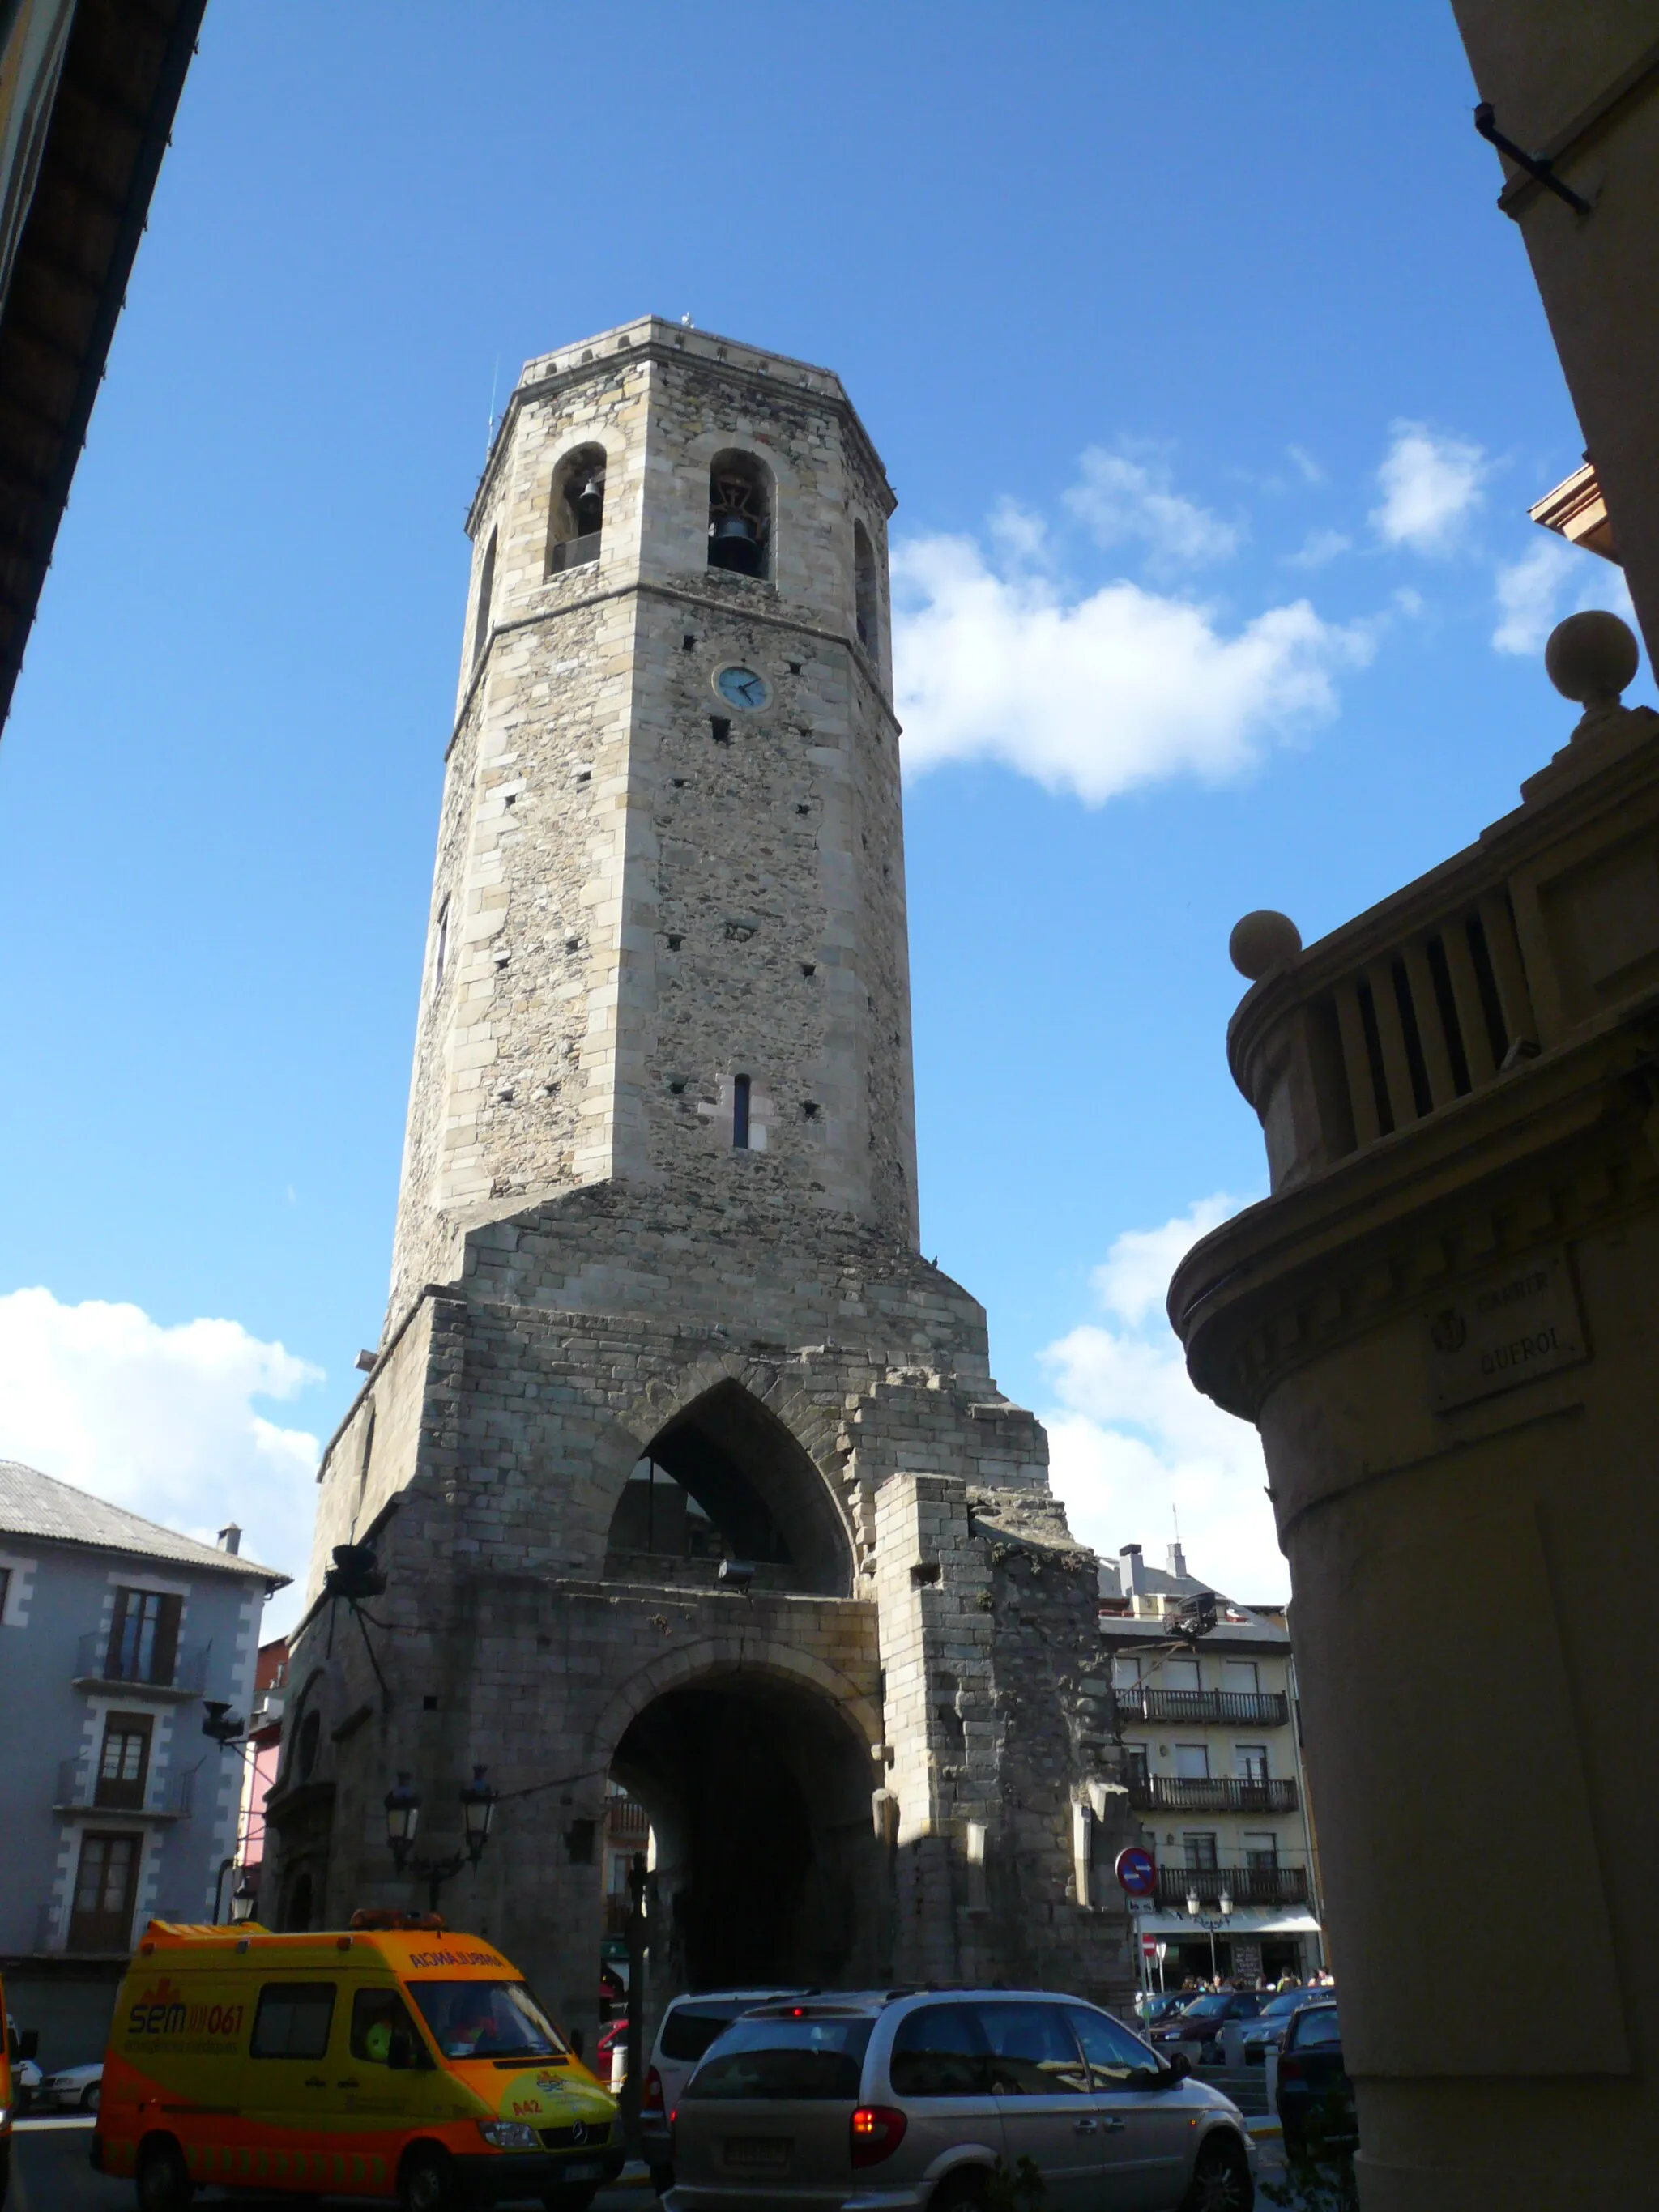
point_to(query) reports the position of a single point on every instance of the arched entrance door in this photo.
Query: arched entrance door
(767, 1866)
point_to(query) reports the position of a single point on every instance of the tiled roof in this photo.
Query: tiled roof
(32, 1505)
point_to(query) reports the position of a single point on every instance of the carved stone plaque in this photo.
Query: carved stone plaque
(1519, 1322)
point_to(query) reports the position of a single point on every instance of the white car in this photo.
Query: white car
(684, 2033)
(72, 2088)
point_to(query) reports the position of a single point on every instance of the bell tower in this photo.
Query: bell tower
(667, 934)
(684, 1474)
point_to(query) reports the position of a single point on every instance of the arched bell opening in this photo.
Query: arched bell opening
(725, 1481)
(767, 1870)
(740, 515)
(575, 527)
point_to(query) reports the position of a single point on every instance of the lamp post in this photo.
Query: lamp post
(402, 1820)
(1210, 1922)
(243, 1898)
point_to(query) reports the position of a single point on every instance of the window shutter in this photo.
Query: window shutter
(118, 1624)
(166, 1640)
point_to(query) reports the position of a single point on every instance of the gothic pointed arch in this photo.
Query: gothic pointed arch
(724, 1479)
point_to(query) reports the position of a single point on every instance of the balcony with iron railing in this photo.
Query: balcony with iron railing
(181, 1673)
(82, 1789)
(1214, 1793)
(1243, 1885)
(1217, 1707)
(626, 1822)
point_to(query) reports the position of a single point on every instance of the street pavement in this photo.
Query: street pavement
(50, 2174)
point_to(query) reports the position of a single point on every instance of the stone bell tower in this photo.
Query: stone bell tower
(686, 1473)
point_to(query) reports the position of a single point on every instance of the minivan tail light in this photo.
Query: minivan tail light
(877, 2132)
(651, 2100)
(1289, 2069)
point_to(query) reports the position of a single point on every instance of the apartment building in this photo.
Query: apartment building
(1208, 1722)
(114, 1804)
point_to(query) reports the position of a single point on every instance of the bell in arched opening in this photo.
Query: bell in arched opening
(587, 500)
(737, 521)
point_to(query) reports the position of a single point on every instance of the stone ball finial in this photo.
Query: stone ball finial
(1262, 940)
(1591, 657)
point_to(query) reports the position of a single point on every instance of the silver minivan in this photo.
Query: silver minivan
(874, 2102)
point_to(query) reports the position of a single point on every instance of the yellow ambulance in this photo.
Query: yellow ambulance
(393, 2060)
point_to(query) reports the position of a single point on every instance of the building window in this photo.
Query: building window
(106, 1886)
(1199, 1852)
(1126, 1672)
(123, 1768)
(486, 594)
(369, 1454)
(5, 1591)
(1260, 1851)
(1250, 1761)
(441, 950)
(576, 517)
(143, 1641)
(1240, 1676)
(740, 1113)
(866, 603)
(1181, 1674)
(740, 515)
(1192, 1762)
(1136, 1765)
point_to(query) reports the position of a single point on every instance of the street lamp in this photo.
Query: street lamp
(402, 1819)
(243, 1898)
(1208, 1924)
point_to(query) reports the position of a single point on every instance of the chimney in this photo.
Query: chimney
(1177, 1563)
(230, 1539)
(1131, 1569)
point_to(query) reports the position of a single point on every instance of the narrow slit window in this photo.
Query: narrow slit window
(866, 602)
(486, 593)
(441, 950)
(740, 1113)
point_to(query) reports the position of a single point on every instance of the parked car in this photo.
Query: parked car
(1315, 2097)
(684, 2033)
(1199, 2026)
(1159, 2004)
(72, 2088)
(1248, 2042)
(910, 2101)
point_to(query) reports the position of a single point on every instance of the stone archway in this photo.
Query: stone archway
(768, 1868)
(725, 1478)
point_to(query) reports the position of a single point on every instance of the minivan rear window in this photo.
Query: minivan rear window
(1318, 2025)
(808, 2061)
(686, 2034)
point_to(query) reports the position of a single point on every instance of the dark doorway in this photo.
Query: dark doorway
(767, 1869)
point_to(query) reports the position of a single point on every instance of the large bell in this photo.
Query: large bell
(587, 504)
(734, 543)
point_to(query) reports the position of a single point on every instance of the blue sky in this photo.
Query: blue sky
(1214, 390)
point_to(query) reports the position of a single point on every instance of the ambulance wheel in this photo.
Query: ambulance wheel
(163, 2178)
(426, 2181)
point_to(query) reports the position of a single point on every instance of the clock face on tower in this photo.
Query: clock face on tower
(741, 687)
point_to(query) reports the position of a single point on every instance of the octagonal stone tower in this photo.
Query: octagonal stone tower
(686, 1473)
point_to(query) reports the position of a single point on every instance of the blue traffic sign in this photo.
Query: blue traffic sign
(1136, 1872)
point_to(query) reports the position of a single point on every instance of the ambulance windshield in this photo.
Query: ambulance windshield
(487, 2019)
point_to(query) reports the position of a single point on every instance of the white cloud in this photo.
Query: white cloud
(1131, 1439)
(1318, 548)
(1122, 499)
(1097, 694)
(160, 1420)
(1535, 592)
(1311, 471)
(1430, 485)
